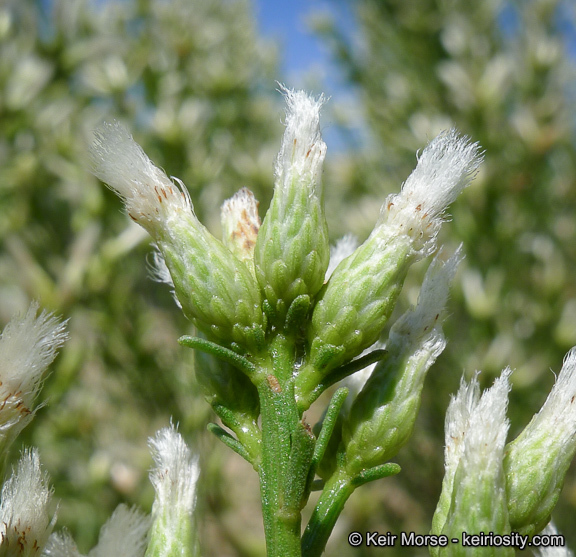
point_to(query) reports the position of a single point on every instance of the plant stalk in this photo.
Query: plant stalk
(281, 498)
(334, 495)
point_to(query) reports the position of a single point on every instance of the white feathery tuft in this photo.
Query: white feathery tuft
(302, 152)
(488, 426)
(151, 198)
(28, 345)
(159, 272)
(445, 167)
(458, 420)
(61, 544)
(158, 269)
(558, 413)
(174, 475)
(25, 523)
(556, 420)
(477, 425)
(426, 317)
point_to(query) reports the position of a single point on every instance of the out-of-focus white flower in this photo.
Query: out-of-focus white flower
(174, 478)
(28, 345)
(124, 534)
(25, 522)
(560, 551)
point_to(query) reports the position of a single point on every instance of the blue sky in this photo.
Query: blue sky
(301, 52)
(305, 62)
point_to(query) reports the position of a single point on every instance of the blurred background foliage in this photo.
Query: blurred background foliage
(196, 85)
(503, 72)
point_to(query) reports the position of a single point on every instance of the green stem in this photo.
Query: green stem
(335, 494)
(281, 453)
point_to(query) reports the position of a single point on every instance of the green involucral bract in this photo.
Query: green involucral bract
(536, 461)
(216, 290)
(382, 416)
(355, 305)
(292, 250)
(473, 498)
(168, 539)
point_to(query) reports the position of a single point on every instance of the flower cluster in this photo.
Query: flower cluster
(491, 486)
(280, 321)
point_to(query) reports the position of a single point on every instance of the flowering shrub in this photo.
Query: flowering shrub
(286, 324)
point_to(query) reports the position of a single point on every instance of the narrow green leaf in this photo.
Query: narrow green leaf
(220, 352)
(229, 441)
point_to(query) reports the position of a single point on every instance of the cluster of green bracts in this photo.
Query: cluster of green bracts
(275, 331)
(509, 489)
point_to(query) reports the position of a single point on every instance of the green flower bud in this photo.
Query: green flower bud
(382, 416)
(215, 289)
(292, 250)
(536, 461)
(473, 498)
(363, 290)
(358, 300)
